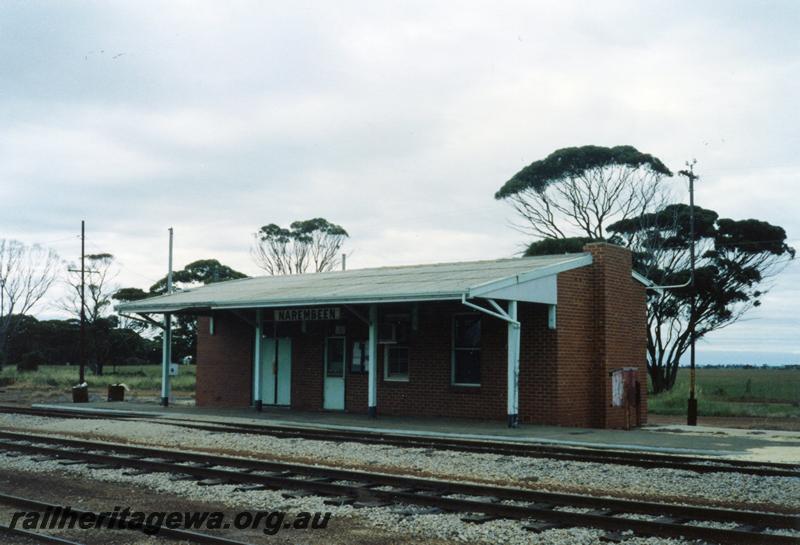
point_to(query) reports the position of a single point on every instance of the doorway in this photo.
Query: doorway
(276, 376)
(333, 398)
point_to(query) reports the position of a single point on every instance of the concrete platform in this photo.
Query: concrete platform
(757, 445)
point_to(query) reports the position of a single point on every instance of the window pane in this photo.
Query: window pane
(468, 332)
(335, 354)
(467, 367)
(398, 361)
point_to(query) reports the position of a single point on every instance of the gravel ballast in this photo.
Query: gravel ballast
(400, 519)
(752, 491)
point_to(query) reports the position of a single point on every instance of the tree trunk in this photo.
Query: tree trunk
(657, 378)
(663, 377)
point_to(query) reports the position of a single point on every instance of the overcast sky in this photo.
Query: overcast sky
(396, 120)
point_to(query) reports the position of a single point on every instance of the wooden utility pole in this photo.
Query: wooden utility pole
(82, 377)
(691, 413)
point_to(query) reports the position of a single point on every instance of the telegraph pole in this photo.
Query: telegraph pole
(83, 305)
(691, 414)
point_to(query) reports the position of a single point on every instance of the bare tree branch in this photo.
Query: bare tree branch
(26, 275)
(313, 244)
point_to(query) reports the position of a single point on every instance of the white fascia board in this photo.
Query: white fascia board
(482, 289)
(342, 301)
(238, 305)
(542, 290)
(158, 309)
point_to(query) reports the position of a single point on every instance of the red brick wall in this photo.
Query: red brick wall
(308, 353)
(428, 390)
(538, 366)
(563, 372)
(224, 362)
(577, 393)
(620, 328)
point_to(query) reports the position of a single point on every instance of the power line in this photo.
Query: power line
(123, 266)
(73, 237)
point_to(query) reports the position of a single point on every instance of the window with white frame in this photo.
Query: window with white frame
(466, 350)
(395, 359)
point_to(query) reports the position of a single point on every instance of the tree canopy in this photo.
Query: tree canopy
(196, 273)
(312, 244)
(202, 271)
(573, 162)
(583, 194)
(735, 259)
(552, 246)
(578, 191)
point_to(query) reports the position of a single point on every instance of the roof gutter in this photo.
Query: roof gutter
(282, 304)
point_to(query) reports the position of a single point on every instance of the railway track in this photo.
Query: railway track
(577, 454)
(530, 450)
(36, 537)
(479, 503)
(40, 506)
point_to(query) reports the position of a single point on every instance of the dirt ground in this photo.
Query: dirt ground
(99, 497)
(27, 396)
(739, 422)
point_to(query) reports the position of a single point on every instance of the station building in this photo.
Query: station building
(557, 339)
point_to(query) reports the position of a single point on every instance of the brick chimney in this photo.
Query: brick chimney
(620, 328)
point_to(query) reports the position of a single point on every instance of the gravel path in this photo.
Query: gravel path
(600, 479)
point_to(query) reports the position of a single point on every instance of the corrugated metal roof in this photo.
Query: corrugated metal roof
(438, 281)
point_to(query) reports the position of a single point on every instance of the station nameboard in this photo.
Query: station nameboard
(308, 314)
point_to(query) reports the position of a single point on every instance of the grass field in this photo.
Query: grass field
(62, 377)
(761, 393)
(735, 392)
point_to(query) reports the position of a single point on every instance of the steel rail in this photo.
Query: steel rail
(530, 450)
(188, 535)
(578, 454)
(37, 537)
(284, 476)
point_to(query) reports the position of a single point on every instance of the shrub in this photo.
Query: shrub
(134, 360)
(31, 361)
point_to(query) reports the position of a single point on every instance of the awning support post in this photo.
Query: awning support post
(514, 336)
(257, 362)
(372, 410)
(166, 340)
(513, 365)
(166, 358)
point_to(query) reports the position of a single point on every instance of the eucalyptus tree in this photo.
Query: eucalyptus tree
(196, 273)
(306, 246)
(591, 193)
(100, 273)
(579, 191)
(736, 260)
(26, 275)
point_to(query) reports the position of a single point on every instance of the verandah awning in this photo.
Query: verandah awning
(531, 279)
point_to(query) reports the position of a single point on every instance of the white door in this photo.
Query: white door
(333, 398)
(276, 374)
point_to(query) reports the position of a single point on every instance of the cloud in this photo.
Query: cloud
(397, 120)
